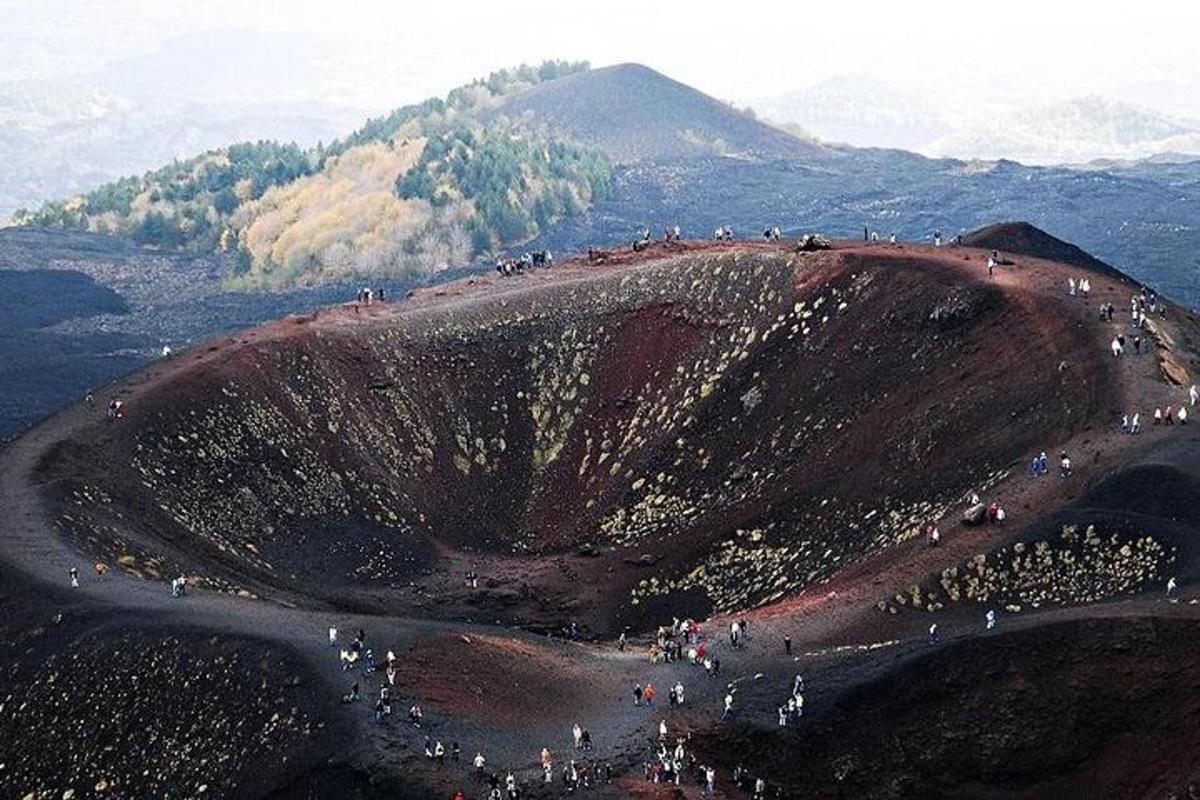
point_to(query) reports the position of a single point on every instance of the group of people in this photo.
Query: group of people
(1118, 343)
(671, 761)
(1081, 288)
(668, 763)
(581, 774)
(872, 237)
(366, 295)
(1145, 301)
(682, 640)
(670, 234)
(1133, 425)
(1170, 415)
(436, 751)
(511, 791)
(793, 708)
(976, 512)
(670, 641)
(724, 233)
(358, 653)
(507, 266)
(1040, 465)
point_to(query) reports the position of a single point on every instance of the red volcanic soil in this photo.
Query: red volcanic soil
(497, 681)
(703, 430)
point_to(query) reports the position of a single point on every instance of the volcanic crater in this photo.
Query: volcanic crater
(698, 430)
(743, 422)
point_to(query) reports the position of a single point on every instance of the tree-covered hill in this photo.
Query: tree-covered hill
(431, 185)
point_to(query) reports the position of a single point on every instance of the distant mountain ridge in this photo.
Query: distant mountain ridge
(867, 112)
(73, 134)
(860, 111)
(1073, 131)
(633, 113)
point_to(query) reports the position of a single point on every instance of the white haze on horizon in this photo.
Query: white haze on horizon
(307, 69)
(383, 54)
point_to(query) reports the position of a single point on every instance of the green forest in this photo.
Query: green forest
(182, 204)
(517, 186)
(462, 185)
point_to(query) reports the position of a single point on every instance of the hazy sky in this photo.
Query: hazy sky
(379, 54)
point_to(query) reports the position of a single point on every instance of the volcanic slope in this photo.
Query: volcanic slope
(703, 430)
(1027, 240)
(633, 113)
(706, 431)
